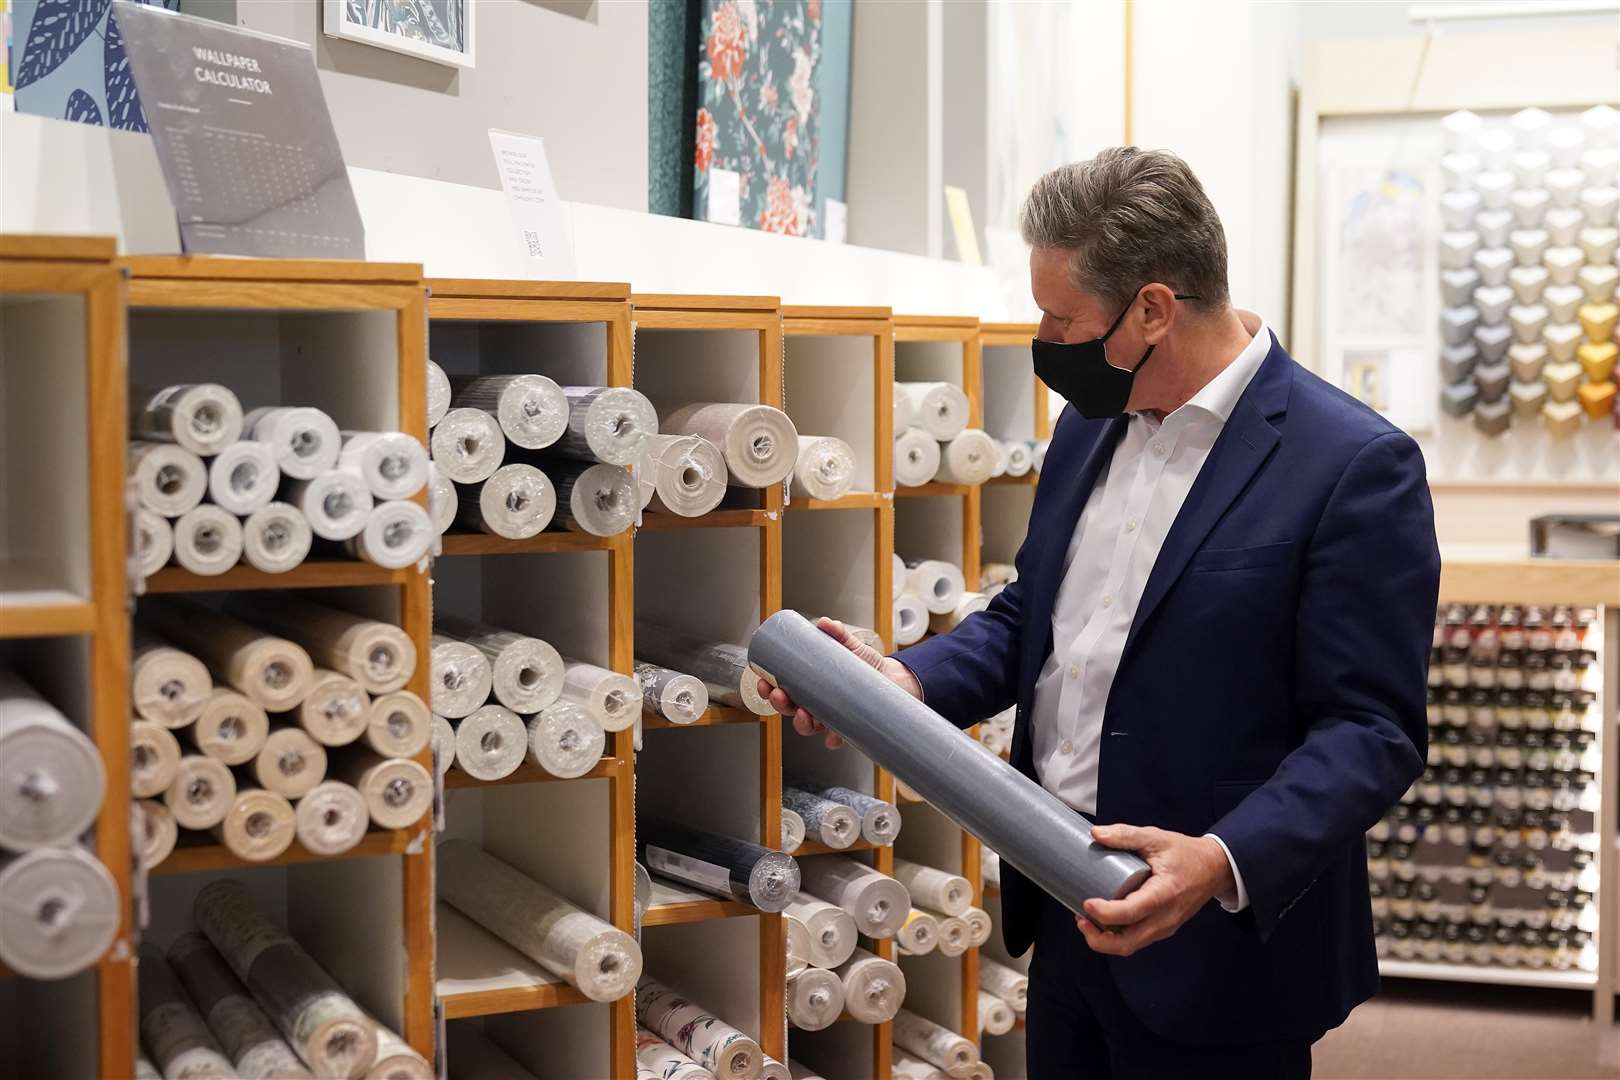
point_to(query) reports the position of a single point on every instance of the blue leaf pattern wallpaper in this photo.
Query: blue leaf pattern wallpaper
(68, 62)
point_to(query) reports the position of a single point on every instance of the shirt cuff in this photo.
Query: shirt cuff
(1235, 899)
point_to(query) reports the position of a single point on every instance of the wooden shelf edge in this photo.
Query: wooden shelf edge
(714, 716)
(46, 620)
(325, 574)
(527, 773)
(514, 999)
(1496, 976)
(1029, 479)
(690, 911)
(545, 543)
(230, 268)
(498, 289)
(1469, 577)
(816, 847)
(714, 519)
(196, 858)
(855, 500)
(932, 488)
(58, 247)
(698, 302)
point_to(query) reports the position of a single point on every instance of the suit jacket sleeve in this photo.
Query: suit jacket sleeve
(1366, 612)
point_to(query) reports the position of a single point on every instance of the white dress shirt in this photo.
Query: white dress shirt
(1116, 542)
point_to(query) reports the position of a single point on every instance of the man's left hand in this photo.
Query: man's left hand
(1188, 871)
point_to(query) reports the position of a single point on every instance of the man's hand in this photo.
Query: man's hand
(1188, 871)
(803, 722)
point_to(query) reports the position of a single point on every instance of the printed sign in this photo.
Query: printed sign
(531, 196)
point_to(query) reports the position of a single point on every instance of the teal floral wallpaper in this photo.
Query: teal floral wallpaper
(67, 61)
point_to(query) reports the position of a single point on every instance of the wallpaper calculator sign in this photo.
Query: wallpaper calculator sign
(244, 138)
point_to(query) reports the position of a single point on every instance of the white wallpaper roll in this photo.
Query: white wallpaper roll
(874, 988)
(593, 956)
(393, 464)
(207, 540)
(939, 408)
(825, 820)
(565, 740)
(910, 620)
(903, 415)
(276, 538)
(657, 1059)
(935, 889)
(230, 728)
(954, 935)
(705, 1038)
(526, 673)
(995, 573)
(897, 577)
(802, 1072)
(531, 409)
(902, 1066)
(398, 725)
(981, 1071)
(815, 998)
(378, 655)
(759, 443)
(201, 793)
(335, 502)
(880, 820)
(331, 818)
(792, 830)
(243, 477)
(438, 394)
(444, 744)
(990, 866)
(397, 791)
(1037, 456)
(1020, 457)
(144, 1069)
(397, 534)
(825, 468)
(169, 479)
(468, 445)
(832, 929)
(916, 457)
(878, 903)
(154, 755)
(937, 583)
(335, 712)
(202, 417)
(1008, 984)
(722, 666)
(154, 541)
(396, 1060)
(597, 499)
(444, 505)
(607, 423)
(52, 780)
(612, 699)
(518, 502)
(245, 1033)
(172, 1029)
(677, 697)
(798, 945)
(771, 1069)
(155, 832)
(919, 935)
(59, 911)
(933, 1043)
(273, 672)
(462, 677)
(643, 891)
(259, 825)
(490, 742)
(304, 440)
(470, 1055)
(999, 467)
(291, 762)
(681, 474)
(969, 458)
(978, 921)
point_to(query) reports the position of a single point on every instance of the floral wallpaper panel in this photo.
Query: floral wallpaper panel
(67, 61)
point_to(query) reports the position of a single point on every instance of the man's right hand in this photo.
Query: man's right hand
(806, 724)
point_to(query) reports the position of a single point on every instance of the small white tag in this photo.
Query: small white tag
(531, 196)
(837, 221)
(725, 197)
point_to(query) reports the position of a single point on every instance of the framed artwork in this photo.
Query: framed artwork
(436, 30)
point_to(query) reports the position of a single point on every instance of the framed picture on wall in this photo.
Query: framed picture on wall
(436, 30)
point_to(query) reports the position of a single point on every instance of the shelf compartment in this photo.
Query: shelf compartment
(481, 975)
(321, 574)
(44, 613)
(485, 544)
(1496, 976)
(714, 519)
(201, 857)
(607, 767)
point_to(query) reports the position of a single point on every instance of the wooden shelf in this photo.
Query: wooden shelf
(546, 542)
(1029, 479)
(907, 800)
(1482, 573)
(816, 847)
(992, 890)
(478, 974)
(41, 617)
(714, 519)
(533, 774)
(855, 500)
(197, 857)
(1497, 976)
(690, 911)
(325, 574)
(713, 716)
(932, 489)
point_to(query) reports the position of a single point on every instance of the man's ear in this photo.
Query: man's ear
(1158, 312)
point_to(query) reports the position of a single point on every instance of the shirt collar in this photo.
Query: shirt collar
(1220, 395)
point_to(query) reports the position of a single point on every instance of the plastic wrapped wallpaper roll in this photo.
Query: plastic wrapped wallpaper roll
(919, 935)
(201, 793)
(593, 956)
(937, 583)
(681, 474)
(438, 394)
(398, 725)
(490, 742)
(694, 1031)
(531, 409)
(978, 921)
(335, 503)
(999, 466)
(897, 577)
(1043, 837)
(144, 1069)
(995, 573)
(967, 605)
(677, 697)
(720, 865)
(722, 666)
(903, 1066)
(910, 620)
(1037, 456)
(202, 417)
(59, 911)
(995, 1015)
(154, 541)
(172, 1029)
(565, 740)
(880, 821)
(379, 656)
(661, 1061)
(609, 424)
(246, 1035)
(933, 1043)
(825, 468)
(335, 711)
(990, 866)
(831, 929)
(243, 477)
(155, 832)
(903, 416)
(396, 534)
(526, 673)
(598, 499)
(273, 672)
(612, 698)
(168, 479)
(916, 457)
(954, 935)
(1008, 984)
(444, 744)
(397, 791)
(154, 755)
(468, 445)
(1020, 457)
(792, 830)
(759, 443)
(798, 945)
(934, 889)
(444, 505)
(276, 538)
(470, 1055)
(331, 818)
(969, 458)
(939, 408)
(258, 826)
(397, 1061)
(802, 1072)
(207, 540)
(393, 464)
(290, 762)
(304, 440)
(643, 893)
(878, 903)
(980, 1071)
(517, 502)
(771, 1069)
(52, 781)
(815, 998)
(874, 988)
(825, 820)
(320, 1021)
(462, 677)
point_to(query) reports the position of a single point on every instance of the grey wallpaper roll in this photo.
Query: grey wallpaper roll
(827, 820)
(1029, 826)
(723, 865)
(880, 821)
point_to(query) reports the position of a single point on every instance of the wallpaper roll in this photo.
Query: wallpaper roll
(396, 535)
(999, 466)
(378, 655)
(396, 1060)
(155, 832)
(171, 1027)
(398, 725)
(144, 1069)
(802, 1072)
(596, 499)
(696, 1032)
(490, 743)
(290, 763)
(910, 620)
(154, 541)
(609, 424)
(1020, 457)
(771, 1069)
(335, 712)
(903, 415)
(955, 936)
(1037, 457)
(878, 903)
(815, 998)
(276, 538)
(995, 573)
(897, 577)
(470, 1055)
(462, 677)
(720, 865)
(438, 394)
(273, 672)
(792, 830)
(880, 821)
(933, 1043)
(230, 728)
(393, 464)
(331, 818)
(612, 698)
(905, 1067)
(468, 445)
(259, 825)
(1008, 984)
(444, 744)
(245, 1033)
(168, 479)
(825, 820)
(643, 892)
(59, 911)
(154, 755)
(832, 929)
(995, 1016)
(201, 792)
(319, 1020)
(591, 955)
(937, 583)
(969, 603)
(978, 921)
(334, 502)
(935, 889)
(397, 791)
(798, 944)
(202, 417)
(304, 440)
(565, 740)
(874, 988)
(661, 1061)
(825, 468)
(526, 673)
(722, 666)
(990, 866)
(444, 505)
(51, 777)
(1026, 824)
(919, 935)
(681, 474)
(939, 408)
(916, 457)
(758, 442)
(677, 697)
(517, 502)
(207, 540)
(243, 477)
(967, 459)
(531, 409)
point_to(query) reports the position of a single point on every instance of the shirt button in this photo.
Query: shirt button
(1074, 671)
(1067, 747)
(1130, 526)
(1108, 600)
(1158, 449)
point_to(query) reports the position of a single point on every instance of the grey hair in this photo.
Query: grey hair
(1130, 217)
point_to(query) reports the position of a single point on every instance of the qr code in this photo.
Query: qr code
(531, 240)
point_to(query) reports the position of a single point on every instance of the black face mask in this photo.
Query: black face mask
(1081, 374)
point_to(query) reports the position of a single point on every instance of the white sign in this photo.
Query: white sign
(725, 197)
(836, 227)
(531, 196)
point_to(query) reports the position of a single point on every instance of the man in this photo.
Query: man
(1216, 645)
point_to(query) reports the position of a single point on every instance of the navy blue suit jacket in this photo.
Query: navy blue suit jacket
(1271, 691)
